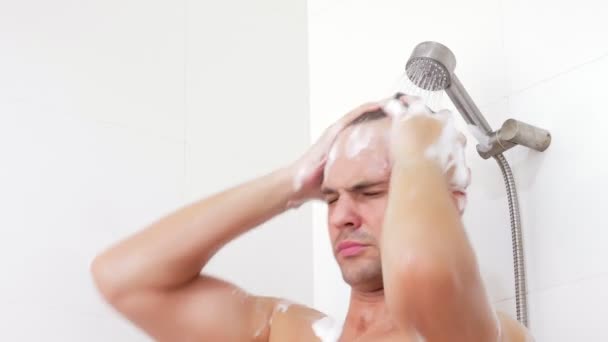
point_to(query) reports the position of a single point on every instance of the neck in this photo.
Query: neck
(367, 311)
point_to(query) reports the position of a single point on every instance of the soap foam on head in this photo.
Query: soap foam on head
(394, 108)
(331, 156)
(358, 140)
(447, 151)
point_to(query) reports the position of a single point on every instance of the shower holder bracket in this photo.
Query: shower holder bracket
(514, 132)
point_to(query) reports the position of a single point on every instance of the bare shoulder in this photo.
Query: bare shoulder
(298, 323)
(294, 322)
(512, 330)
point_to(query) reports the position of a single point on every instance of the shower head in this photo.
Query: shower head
(430, 66)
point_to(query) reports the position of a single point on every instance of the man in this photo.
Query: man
(394, 185)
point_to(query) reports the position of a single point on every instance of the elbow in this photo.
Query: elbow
(105, 279)
(418, 288)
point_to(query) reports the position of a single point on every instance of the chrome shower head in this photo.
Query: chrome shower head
(430, 66)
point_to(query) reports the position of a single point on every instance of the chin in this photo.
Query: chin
(355, 272)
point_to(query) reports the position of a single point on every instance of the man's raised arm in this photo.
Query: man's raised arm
(153, 277)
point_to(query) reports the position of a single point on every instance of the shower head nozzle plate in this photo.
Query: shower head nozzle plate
(430, 66)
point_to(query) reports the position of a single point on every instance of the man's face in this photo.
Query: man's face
(355, 186)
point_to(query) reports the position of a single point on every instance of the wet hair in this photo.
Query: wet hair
(375, 114)
(369, 116)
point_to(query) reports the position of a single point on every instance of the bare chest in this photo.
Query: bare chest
(310, 336)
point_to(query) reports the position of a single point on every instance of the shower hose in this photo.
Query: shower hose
(521, 301)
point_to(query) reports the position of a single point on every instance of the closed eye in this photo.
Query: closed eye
(371, 194)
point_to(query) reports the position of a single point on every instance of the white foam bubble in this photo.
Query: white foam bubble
(259, 331)
(394, 108)
(442, 149)
(482, 138)
(358, 140)
(327, 329)
(416, 337)
(417, 106)
(332, 155)
(449, 152)
(283, 306)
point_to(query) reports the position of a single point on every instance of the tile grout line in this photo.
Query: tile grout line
(134, 130)
(505, 64)
(544, 80)
(309, 141)
(573, 281)
(552, 287)
(185, 114)
(559, 74)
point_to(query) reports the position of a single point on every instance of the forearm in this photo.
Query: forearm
(431, 274)
(421, 218)
(172, 251)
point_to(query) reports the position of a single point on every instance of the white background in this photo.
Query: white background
(114, 113)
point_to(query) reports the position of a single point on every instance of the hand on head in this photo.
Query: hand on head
(416, 134)
(307, 171)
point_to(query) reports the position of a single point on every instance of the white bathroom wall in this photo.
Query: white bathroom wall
(113, 113)
(247, 114)
(543, 62)
(91, 148)
(556, 68)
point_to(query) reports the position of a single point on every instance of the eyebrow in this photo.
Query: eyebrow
(355, 188)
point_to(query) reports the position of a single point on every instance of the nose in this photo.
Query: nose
(344, 214)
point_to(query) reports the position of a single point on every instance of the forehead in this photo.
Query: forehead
(359, 154)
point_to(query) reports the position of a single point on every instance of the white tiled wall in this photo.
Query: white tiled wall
(69, 188)
(543, 62)
(104, 58)
(544, 38)
(113, 113)
(247, 113)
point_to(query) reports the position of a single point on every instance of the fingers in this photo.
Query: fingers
(458, 173)
(430, 127)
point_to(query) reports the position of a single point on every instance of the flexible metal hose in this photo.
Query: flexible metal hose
(521, 300)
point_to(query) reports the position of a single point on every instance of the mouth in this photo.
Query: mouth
(350, 248)
(458, 193)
